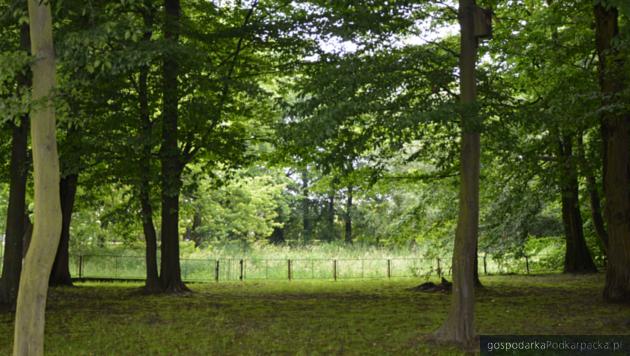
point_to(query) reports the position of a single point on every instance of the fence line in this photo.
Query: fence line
(91, 266)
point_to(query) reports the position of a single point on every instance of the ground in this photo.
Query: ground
(355, 317)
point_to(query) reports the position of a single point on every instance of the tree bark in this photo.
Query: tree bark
(31, 302)
(170, 271)
(16, 227)
(348, 216)
(458, 327)
(152, 283)
(613, 80)
(594, 198)
(577, 258)
(60, 274)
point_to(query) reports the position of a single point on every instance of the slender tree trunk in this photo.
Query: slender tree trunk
(170, 272)
(577, 258)
(16, 227)
(191, 232)
(348, 216)
(60, 274)
(594, 198)
(31, 302)
(459, 327)
(330, 216)
(307, 225)
(152, 283)
(476, 269)
(596, 211)
(613, 80)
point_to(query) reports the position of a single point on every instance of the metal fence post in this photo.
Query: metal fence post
(335, 270)
(240, 277)
(389, 268)
(216, 271)
(289, 268)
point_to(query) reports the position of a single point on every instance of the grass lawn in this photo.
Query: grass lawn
(309, 317)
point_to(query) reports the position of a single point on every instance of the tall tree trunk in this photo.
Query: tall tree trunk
(16, 227)
(60, 274)
(613, 80)
(152, 283)
(594, 198)
(31, 303)
(348, 216)
(170, 271)
(577, 258)
(459, 327)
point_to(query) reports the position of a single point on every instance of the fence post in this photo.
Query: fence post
(80, 266)
(335, 270)
(240, 262)
(289, 268)
(116, 266)
(527, 263)
(389, 268)
(216, 271)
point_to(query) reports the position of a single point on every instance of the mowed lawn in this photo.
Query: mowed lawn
(309, 317)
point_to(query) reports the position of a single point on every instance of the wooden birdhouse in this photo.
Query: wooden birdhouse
(483, 23)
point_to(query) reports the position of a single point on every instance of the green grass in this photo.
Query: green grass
(309, 317)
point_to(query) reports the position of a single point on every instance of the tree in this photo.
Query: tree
(459, 326)
(577, 256)
(31, 302)
(16, 210)
(170, 273)
(615, 132)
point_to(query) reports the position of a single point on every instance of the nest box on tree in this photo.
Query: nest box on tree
(483, 23)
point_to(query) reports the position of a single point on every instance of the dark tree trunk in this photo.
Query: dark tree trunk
(195, 236)
(613, 80)
(459, 326)
(60, 273)
(16, 224)
(476, 269)
(307, 224)
(594, 197)
(152, 283)
(170, 272)
(277, 236)
(596, 211)
(577, 258)
(348, 216)
(330, 217)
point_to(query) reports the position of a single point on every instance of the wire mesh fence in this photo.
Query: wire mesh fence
(92, 266)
